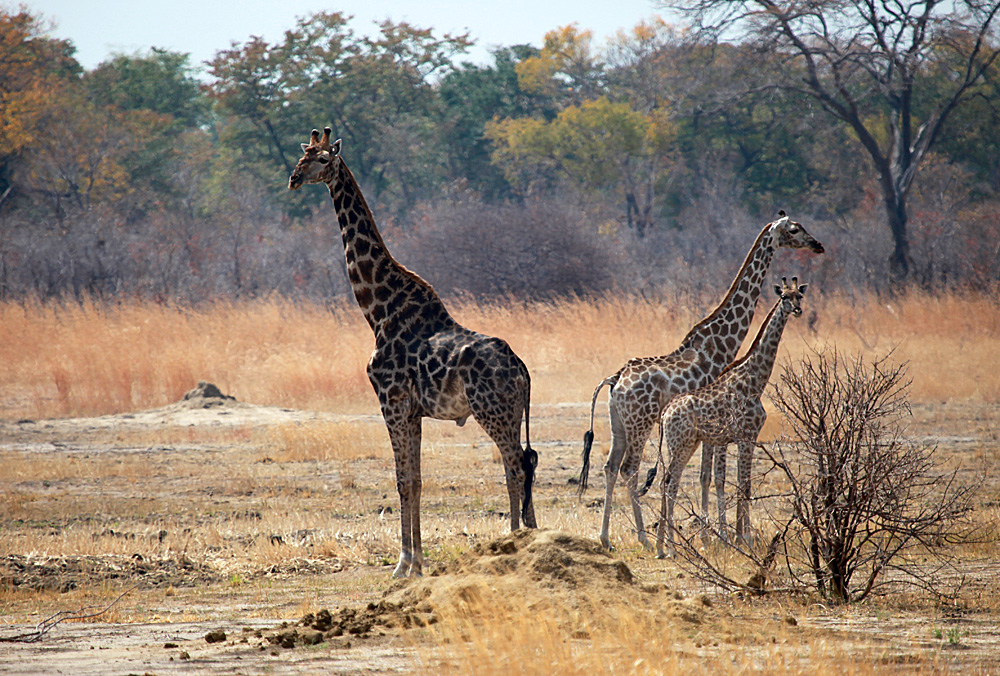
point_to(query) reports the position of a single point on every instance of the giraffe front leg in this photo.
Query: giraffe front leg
(705, 476)
(405, 437)
(720, 491)
(744, 465)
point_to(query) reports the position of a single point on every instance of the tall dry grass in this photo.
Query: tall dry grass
(82, 359)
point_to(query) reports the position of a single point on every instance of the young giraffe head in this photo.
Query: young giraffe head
(788, 233)
(319, 161)
(791, 295)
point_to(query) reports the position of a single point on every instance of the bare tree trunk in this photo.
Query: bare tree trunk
(899, 260)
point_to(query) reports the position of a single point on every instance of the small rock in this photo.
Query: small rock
(168, 646)
(216, 636)
(311, 637)
(323, 620)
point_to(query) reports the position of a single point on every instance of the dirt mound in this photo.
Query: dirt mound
(206, 395)
(65, 573)
(526, 570)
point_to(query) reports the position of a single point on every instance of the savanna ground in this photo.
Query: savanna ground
(243, 514)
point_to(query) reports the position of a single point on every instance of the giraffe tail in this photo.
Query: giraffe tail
(529, 458)
(588, 436)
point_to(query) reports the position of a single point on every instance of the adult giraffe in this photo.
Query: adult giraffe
(643, 387)
(425, 364)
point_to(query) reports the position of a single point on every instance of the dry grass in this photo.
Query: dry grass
(340, 440)
(503, 635)
(85, 359)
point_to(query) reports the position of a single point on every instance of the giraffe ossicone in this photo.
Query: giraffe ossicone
(727, 411)
(425, 364)
(643, 387)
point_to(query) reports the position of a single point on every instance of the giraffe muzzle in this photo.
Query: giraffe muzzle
(294, 182)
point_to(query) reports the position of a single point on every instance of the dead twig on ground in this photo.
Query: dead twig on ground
(49, 623)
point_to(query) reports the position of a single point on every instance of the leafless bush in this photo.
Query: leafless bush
(538, 249)
(863, 499)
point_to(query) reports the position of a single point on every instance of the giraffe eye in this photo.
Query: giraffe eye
(794, 229)
(323, 160)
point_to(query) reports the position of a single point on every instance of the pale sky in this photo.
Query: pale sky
(99, 28)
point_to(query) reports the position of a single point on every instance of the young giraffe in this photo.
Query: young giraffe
(642, 388)
(424, 364)
(724, 412)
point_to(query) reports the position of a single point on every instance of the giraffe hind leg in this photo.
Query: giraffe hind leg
(630, 470)
(612, 467)
(500, 417)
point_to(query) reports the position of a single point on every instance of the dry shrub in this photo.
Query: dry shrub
(864, 499)
(532, 250)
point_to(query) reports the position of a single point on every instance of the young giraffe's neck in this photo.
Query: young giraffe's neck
(719, 335)
(755, 368)
(384, 289)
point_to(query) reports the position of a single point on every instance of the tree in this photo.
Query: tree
(376, 93)
(471, 96)
(566, 68)
(160, 81)
(595, 145)
(31, 65)
(156, 94)
(868, 63)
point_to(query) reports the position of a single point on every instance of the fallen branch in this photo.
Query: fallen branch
(49, 623)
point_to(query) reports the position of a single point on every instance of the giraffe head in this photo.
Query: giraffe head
(788, 233)
(791, 295)
(319, 161)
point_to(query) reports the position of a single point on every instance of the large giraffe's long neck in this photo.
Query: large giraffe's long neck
(719, 335)
(755, 368)
(384, 289)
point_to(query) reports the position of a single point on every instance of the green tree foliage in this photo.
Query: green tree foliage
(376, 93)
(471, 96)
(158, 94)
(159, 81)
(598, 145)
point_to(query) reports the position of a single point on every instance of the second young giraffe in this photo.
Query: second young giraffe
(642, 388)
(727, 411)
(425, 364)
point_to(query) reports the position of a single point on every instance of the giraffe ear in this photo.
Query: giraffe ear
(335, 149)
(777, 289)
(802, 289)
(304, 146)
